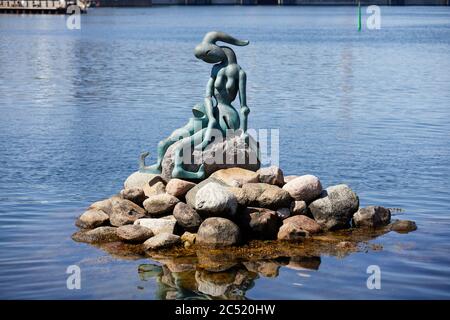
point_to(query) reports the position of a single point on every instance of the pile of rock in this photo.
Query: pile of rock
(230, 207)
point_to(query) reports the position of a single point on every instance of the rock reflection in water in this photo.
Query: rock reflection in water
(200, 273)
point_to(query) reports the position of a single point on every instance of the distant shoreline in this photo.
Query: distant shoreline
(148, 3)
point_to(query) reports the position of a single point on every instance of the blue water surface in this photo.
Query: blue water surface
(370, 109)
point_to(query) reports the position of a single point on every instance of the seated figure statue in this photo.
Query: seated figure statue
(216, 113)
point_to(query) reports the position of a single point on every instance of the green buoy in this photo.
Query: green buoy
(359, 16)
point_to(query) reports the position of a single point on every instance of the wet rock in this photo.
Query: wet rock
(92, 218)
(160, 204)
(135, 195)
(263, 195)
(259, 223)
(138, 180)
(335, 207)
(134, 233)
(233, 152)
(305, 223)
(214, 199)
(157, 187)
(97, 235)
(188, 239)
(283, 213)
(268, 269)
(158, 225)
(372, 216)
(271, 175)
(291, 232)
(299, 208)
(304, 188)
(215, 284)
(162, 240)
(191, 194)
(124, 212)
(218, 232)
(187, 217)
(403, 226)
(235, 177)
(178, 188)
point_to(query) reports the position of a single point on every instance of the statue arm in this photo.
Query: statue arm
(209, 108)
(243, 98)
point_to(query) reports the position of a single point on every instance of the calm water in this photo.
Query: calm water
(369, 109)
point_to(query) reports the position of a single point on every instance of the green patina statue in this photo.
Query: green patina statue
(216, 113)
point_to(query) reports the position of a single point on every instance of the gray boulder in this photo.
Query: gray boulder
(214, 199)
(304, 188)
(372, 216)
(160, 241)
(299, 208)
(233, 152)
(158, 225)
(97, 235)
(192, 193)
(160, 204)
(335, 207)
(124, 212)
(134, 233)
(187, 217)
(218, 232)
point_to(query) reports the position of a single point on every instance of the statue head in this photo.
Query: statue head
(209, 52)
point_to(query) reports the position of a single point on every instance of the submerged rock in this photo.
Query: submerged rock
(162, 240)
(214, 199)
(187, 217)
(305, 223)
(291, 232)
(158, 225)
(218, 232)
(160, 204)
(372, 216)
(178, 188)
(259, 223)
(92, 218)
(135, 195)
(235, 177)
(233, 152)
(134, 233)
(263, 195)
(335, 207)
(124, 212)
(271, 175)
(403, 226)
(97, 235)
(304, 188)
